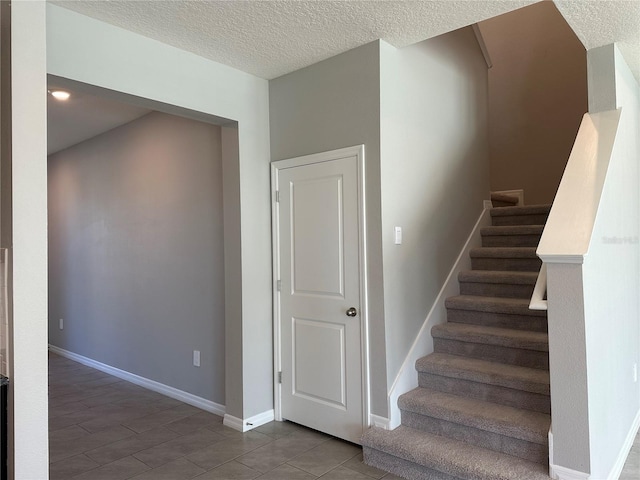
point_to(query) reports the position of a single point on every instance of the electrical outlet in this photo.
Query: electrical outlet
(61, 324)
(196, 358)
(635, 372)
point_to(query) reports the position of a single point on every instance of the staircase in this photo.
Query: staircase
(482, 408)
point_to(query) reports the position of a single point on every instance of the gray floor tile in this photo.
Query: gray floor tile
(229, 471)
(279, 429)
(287, 472)
(136, 443)
(159, 419)
(357, 464)
(69, 433)
(344, 473)
(181, 469)
(274, 454)
(216, 454)
(325, 457)
(67, 468)
(195, 422)
(65, 448)
(178, 447)
(121, 469)
(103, 428)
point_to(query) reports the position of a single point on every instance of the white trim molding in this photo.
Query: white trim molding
(379, 422)
(249, 423)
(158, 387)
(407, 378)
(562, 473)
(626, 448)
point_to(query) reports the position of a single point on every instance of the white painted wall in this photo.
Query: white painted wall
(434, 173)
(121, 61)
(611, 274)
(591, 240)
(29, 188)
(136, 251)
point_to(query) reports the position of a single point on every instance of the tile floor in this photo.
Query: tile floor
(103, 428)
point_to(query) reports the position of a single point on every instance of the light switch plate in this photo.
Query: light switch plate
(398, 235)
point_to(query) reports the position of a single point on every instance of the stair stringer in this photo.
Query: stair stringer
(407, 378)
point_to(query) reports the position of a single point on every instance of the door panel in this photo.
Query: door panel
(321, 351)
(326, 382)
(310, 200)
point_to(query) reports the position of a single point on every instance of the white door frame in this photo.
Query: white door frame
(358, 152)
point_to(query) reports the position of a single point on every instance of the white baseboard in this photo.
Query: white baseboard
(378, 421)
(250, 423)
(626, 448)
(172, 392)
(407, 378)
(562, 473)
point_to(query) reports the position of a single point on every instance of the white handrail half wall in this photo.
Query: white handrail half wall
(538, 299)
(567, 233)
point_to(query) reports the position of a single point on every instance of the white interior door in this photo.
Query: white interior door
(320, 319)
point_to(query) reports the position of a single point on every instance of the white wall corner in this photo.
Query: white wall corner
(380, 422)
(248, 423)
(615, 472)
(181, 395)
(482, 45)
(562, 473)
(407, 378)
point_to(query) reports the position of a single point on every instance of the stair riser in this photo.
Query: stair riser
(510, 240)
(493, 353)
(533, 452)
(401, 467)
(539, 219)
(490, 393)
(504, 290)
(507, 264)
(503, 320)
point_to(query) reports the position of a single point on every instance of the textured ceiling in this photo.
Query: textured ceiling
(269, 38)
(600, 22)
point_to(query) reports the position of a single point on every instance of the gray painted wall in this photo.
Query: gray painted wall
(434, 170)
(537, 97)
(421, 114)
(151, 72)
(333, 104)
(136, 251)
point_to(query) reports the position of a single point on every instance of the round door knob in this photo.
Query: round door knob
(352, 312)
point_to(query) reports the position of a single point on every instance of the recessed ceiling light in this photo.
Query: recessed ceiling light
(60, 94)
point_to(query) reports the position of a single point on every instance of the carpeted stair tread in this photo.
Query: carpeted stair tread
(521, 210)
(496, 276)
(504, 230)
(505, 337)
(515, 306)
(482, 371)
(500, 419)
(503, 252)
(451, 457)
